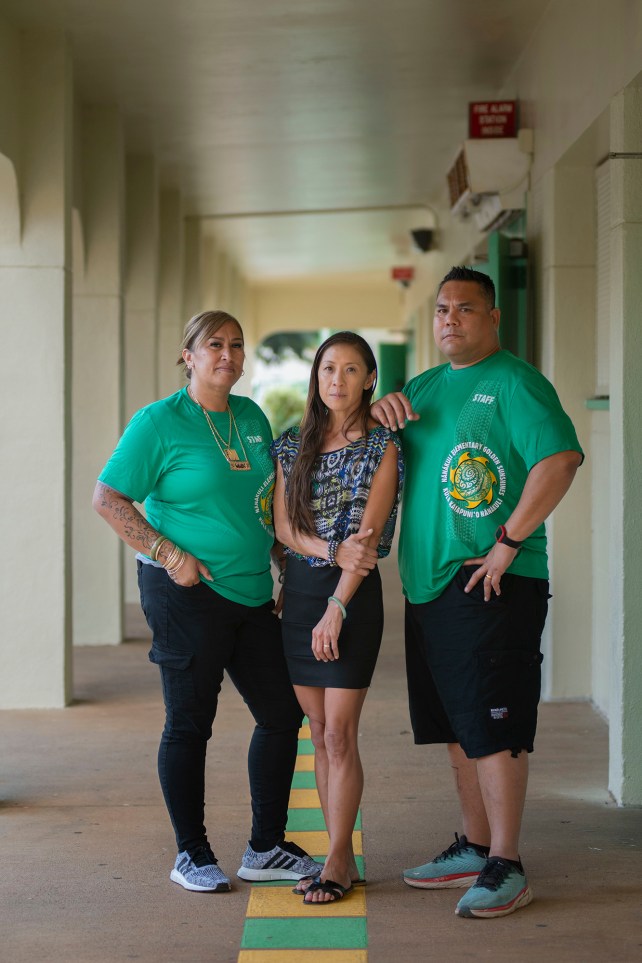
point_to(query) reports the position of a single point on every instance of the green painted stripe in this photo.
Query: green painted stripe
(305, 933)
(300, 820)
(322, 933)
(304, 780)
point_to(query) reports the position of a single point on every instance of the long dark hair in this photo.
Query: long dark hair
(313, 426)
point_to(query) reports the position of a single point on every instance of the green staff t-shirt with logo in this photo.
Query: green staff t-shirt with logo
(169, 459)
(481, 430)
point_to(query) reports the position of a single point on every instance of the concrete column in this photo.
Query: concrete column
(141, 284)
(170, 288)
(210, 274)
(565, 222)
(192, 260)
(625, 756)
(97, 374)
(35, 389)
(244, 312)
(222, 276)
(141, 304)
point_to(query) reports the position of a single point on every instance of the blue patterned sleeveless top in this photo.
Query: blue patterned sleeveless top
(340, 486)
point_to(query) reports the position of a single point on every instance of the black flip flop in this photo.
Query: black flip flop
(302, 892)
(336, 890)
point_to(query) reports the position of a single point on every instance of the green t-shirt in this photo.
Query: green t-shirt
(168, 458)
(481, 430)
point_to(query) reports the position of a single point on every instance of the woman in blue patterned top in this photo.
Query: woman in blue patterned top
(338, 486)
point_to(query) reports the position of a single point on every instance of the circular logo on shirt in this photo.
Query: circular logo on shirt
(263, 502)
(473, 480)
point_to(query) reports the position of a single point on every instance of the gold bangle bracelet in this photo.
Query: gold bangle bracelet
(173, 556)
(153, 552)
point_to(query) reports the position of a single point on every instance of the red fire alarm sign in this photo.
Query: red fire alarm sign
(403, 274)
(492, 118)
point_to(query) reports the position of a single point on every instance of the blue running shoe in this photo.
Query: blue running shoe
(455, 868)
(501, 888)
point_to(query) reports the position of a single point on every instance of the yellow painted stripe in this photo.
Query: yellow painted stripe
(304, 732)
(304, 764)
(318, 843)
(304, 799)
(303, 956)
(278, 901)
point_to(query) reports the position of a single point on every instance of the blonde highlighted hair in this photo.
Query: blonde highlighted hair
(201, 327)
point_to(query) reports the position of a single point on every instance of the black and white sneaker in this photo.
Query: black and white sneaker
(200, 872)
(286, 861)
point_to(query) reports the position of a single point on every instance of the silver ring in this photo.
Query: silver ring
(326, 646)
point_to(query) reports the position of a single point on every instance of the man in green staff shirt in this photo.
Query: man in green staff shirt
(489, 454)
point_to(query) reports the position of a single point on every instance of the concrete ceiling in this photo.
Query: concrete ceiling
(295, 106)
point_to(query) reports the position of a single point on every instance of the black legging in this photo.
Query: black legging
(196, 635)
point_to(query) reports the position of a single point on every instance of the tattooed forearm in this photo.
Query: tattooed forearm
(119, 512)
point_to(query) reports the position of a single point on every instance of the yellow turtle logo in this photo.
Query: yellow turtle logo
(263, 502)
(472, 481)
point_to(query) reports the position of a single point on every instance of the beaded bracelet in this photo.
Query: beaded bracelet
(342, 608)
(333, 545)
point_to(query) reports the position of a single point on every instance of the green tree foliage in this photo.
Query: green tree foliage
(284, 406)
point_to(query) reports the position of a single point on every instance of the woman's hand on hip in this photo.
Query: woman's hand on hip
(355, 556)
(325, 635)
(190, 571)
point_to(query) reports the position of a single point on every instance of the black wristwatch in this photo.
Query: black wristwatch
(501, 535)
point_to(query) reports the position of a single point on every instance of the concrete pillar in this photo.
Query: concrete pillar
(35, 389)
(210, 260)
(141, 284)
(222, 277)
(566, 315)
(192, 263)
(141, 304)
(170, 288)
(97, 374)
(625, 756)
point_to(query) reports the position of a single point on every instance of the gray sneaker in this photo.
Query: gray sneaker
(200, 872)
(286, 861)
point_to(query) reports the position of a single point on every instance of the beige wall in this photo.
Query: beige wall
(332, 302)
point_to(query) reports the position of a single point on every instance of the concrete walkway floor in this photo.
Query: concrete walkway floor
(87, 847)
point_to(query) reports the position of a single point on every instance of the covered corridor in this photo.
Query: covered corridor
(276, 161)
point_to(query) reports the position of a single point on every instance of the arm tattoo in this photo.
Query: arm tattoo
(127, 520)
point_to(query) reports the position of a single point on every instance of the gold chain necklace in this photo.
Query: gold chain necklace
(229, 454)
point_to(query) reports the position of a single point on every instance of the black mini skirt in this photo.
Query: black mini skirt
(306, 592)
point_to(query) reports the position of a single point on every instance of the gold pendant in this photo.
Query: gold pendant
(238, 465)
(231, 454)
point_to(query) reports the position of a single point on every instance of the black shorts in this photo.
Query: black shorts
(473, 667)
